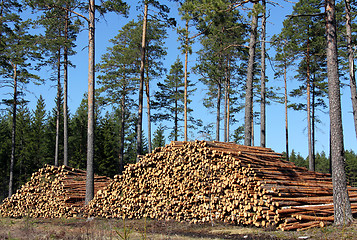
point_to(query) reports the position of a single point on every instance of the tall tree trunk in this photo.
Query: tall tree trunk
(176, 115)
(313, 123)
(141, 87)
(262, 81)
(122, 138)
(58, 107)
(286, 115)
(228, 99)
(218, 117)
(308, 90)
(351, 65)
(148, 108)
(91, 94)
(249, 84)
(252, 129)
(186, 83)
(228, 109)
(13, 133)
(341, 201)
(225, 108)
(65, 92)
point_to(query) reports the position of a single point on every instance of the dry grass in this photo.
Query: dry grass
(28, 228)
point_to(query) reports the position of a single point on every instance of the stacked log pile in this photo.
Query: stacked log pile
(204, 181)
(52, 192)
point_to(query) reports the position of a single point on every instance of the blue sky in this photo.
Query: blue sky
(107, 28)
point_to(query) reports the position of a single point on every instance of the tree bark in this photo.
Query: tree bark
(228, 109)
(225, 107)
(308, 104)
(58, 107)
(286, 115)
(313, 123)
(65, 93)
(176, 114)
(342, 205)
(218, 117)
(122, 132)
(148, 109)
(13, 133)
(91, 94)
(249, 84)
(141, 87)
(186, 83)
(262, 81)
(351, 65)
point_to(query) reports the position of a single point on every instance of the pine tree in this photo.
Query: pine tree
(222, 42)
(156, 35)
(351, 167)
(284, 59)
(60, 34)
(5, 155)
(55, 131)
(25, 164)
(118, 76)
(170, 99)
(341, 202)
(77, 139)
(20, 48)
(163, 14)
(187, 10)
(351, 65)
(248, 115)
(38, 134)
(304, 33)
(159, 137)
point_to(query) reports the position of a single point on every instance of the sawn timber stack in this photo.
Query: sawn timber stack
(207, 181)
(52, 192)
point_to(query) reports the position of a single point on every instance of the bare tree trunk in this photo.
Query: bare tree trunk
(186, 83)
(341, 201)
(249, 84)
(91, 94)
(65, 94)
(313, 124)
(286, 115)
(351, 62)
(176, 115)
(13, 134)
(218, 118)
(228, 99)
(141, 87)
(148, 109)
(262, 81)
(228, 109)
(122, 132)
(58, 107)
(225, 104)
(252, 129)
(308, 90)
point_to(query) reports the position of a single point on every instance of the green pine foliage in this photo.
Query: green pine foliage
(169, 100)
(351, 167)
(77, 139)
(159, 137)
(298, 160)
(5, 145)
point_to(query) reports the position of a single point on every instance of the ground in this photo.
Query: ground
(28, 228)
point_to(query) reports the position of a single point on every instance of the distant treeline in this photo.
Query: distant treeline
(322, 164)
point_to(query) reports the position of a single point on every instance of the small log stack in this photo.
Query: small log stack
(52, 192)
(203, 181)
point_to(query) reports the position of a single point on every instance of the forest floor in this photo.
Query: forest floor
(28, 228)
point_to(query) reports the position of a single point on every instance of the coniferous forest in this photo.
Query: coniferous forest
(225, 49)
